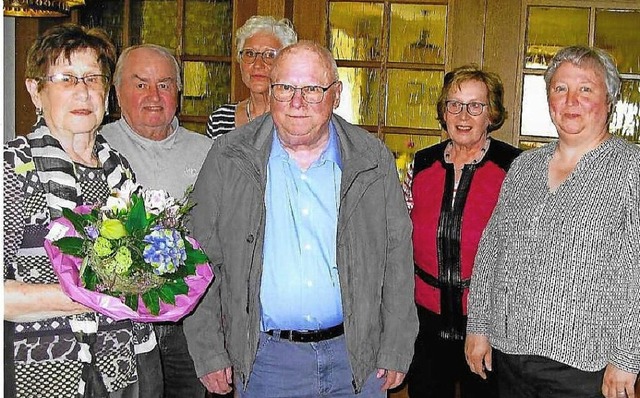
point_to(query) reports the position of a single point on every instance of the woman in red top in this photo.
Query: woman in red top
(453, 190)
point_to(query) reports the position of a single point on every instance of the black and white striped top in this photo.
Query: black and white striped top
(222, 120)
(557, 273)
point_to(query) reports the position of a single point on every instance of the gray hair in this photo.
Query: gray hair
(590, 57)
(325, 55)
(283, 30)
(117, 75)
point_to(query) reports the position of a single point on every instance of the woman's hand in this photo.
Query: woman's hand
(29, 302)
(617, 383)
(477, 350)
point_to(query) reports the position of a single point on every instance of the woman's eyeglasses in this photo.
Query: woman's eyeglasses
(474, 108)
(249, 56)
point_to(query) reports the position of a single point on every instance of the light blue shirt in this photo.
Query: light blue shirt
(300, 287)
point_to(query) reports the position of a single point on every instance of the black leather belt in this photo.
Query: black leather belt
(308, 336)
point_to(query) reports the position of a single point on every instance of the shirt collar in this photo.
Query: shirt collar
(331, 152)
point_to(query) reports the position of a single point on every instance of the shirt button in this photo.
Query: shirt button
(305, 212)
(303, 177)
(250, 238)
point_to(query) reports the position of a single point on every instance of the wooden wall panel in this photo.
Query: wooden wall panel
(465, 32)
(310, 20)
(503, 41)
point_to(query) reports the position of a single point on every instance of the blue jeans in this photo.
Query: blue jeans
(179, 373)
(305, 370)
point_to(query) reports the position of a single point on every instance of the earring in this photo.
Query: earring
(39, 112)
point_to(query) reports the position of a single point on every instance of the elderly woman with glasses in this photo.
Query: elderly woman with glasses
(555, 295)
(451, 192)
(258, 42)
(54, 346)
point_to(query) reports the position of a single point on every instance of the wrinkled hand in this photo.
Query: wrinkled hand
(618, 384)
(393, 378)
(477, 351)
(218, 382)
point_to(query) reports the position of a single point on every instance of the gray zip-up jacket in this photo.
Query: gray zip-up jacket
(374, 253)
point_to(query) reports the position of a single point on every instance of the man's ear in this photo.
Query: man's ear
(32, 88)
(336, 100)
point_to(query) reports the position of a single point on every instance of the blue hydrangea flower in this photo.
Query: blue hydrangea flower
(164, 250)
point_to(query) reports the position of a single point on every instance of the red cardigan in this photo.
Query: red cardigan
(445, 237)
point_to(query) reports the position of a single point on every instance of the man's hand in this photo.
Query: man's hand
(618, 384)
(477, 351)
(393, 378)
(218, 382)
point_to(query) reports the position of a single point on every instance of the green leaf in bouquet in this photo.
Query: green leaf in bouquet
(71, 245)
(184, 270)
(177, 286)
(79, 221)
(137, 220)
(89, 278)
(167, 295)
(194, 256)
(152, 300)
(131, 300)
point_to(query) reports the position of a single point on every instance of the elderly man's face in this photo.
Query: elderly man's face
(148, 93)
(298, 122)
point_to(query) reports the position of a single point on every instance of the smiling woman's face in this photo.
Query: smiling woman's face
(256, 75)
(75, 110)
(464, 129)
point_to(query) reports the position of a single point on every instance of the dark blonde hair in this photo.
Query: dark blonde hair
(453, 79)
(67, 39)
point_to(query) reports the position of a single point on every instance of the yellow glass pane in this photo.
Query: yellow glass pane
(360, 98)
(551, 28)
(417, 33)
(208, 27)
(107, 15)
(197, 127)
(207, 85)
(404, 147)
(535, 109)
(617, 32)
(356, 30)
(526, 145)
(412, 98)
(155, 22)
(625, 120)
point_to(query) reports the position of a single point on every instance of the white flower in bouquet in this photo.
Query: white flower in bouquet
(156, 201)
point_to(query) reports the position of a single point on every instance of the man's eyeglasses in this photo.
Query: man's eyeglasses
(473, 108)
(311, 94)
(65, 80)
(249, 56)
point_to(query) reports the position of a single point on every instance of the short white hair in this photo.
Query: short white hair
(282, 29)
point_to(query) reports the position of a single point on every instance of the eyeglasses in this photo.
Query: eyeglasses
(473, 108)
(249, 56)
(93, 82)
(311, 94)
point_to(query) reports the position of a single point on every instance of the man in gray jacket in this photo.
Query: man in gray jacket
(164, 155)
(303, 219)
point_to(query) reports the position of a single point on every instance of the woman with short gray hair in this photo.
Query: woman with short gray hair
(554, 305)
(258, 42)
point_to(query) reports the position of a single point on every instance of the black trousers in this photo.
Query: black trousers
(531, 376)
(438, 365)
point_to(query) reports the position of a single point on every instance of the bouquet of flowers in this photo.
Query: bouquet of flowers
(131, 257)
